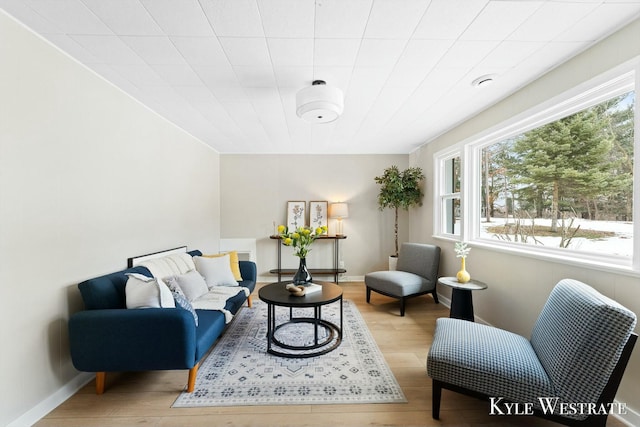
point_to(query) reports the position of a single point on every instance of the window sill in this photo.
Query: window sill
(583, 260)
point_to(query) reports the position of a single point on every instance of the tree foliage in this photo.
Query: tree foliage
(566, 158)
(581, 163)
(399, 190)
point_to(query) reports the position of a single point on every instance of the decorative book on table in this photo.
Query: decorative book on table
(312, 288)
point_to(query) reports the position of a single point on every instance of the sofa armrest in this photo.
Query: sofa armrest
(132, 340)
(248, 270)
(249, 273)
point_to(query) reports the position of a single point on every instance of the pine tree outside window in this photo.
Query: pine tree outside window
(566, 184)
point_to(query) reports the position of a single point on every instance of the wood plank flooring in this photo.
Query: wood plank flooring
(145, 398)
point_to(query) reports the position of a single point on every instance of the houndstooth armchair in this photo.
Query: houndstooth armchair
(568, 371)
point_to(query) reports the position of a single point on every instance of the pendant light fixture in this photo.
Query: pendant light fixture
(319, 103)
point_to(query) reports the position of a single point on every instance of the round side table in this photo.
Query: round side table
(461, 299)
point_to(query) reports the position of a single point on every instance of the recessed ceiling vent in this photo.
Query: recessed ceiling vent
(484, 81)
(319, 103)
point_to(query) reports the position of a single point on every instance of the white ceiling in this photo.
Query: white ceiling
(227, 71)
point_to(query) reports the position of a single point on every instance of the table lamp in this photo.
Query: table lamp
(339, 211)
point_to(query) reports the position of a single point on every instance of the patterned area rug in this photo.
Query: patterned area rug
(238, 371)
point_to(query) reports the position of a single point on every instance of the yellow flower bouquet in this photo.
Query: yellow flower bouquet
(300, 239)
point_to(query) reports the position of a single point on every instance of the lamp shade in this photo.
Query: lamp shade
(339, 211)
(319, 103)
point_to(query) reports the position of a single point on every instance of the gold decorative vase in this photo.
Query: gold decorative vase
(463, 275)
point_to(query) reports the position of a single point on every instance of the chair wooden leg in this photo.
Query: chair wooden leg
(100, 378)
(368, 294)
(436, 394)
(402, 306)
(249, 302)
(191, 383)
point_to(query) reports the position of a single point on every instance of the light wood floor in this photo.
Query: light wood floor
(145, 398)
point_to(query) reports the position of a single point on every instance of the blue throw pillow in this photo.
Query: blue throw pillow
(184, 303)
(180, 298)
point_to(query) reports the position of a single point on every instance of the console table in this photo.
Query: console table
(336, 252)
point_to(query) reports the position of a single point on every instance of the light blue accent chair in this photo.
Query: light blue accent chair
(416, 274)
(578, 351)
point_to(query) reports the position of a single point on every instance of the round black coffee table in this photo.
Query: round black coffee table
(276, 295)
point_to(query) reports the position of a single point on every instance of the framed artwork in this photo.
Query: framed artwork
(318, 214)
(295, 215)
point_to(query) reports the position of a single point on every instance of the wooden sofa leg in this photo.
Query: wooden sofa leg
(191, 383)
(100, 378)
(249, 302)
(436, 392)
(402, 306)
(368, 294)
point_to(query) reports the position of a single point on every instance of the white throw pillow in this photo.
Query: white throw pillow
(147, 292)
(216, 271)
(192, 284)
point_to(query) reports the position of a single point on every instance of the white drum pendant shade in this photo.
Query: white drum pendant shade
(319, 103)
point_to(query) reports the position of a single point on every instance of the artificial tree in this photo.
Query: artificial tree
(399, 190)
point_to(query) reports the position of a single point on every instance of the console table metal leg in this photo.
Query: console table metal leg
(336, 260)
(279, 261)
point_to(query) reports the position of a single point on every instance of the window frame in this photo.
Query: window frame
(597, 90)
(443, 195)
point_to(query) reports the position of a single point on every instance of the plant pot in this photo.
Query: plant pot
(393, 263)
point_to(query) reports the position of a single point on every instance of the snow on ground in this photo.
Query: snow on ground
(621, 244)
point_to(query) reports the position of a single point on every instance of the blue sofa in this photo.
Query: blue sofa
(108, 337)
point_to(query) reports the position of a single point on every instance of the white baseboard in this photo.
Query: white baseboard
(631, 418)
(351, 278)
(271, 278)
(32, 416)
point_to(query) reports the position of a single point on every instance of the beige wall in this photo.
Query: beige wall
(518, 285)
(88, 177)
(255, 190)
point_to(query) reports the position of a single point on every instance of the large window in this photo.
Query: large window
(559, 181)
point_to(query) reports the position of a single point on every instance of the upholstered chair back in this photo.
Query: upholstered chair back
(420, 259)
(573, 338)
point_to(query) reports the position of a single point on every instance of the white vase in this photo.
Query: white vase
(393, 263)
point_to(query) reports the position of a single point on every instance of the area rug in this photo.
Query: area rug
(239, 371)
